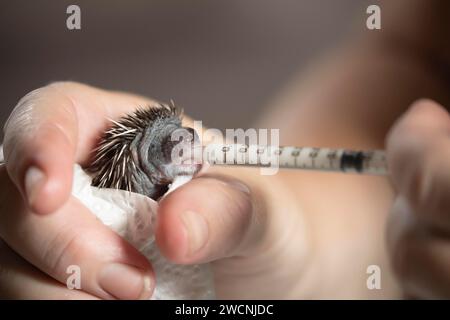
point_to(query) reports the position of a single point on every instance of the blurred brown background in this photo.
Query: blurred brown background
(220, 60)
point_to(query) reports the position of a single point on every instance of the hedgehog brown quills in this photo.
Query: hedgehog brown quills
(135, 154)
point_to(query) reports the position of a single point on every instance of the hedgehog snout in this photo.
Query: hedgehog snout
(178, 150)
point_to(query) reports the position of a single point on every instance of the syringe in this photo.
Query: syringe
(371, 162)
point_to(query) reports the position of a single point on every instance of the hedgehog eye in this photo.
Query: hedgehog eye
(167, 147)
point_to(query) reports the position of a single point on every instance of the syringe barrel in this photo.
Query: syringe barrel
(307, 158)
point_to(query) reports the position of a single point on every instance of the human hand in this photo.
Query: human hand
(235, 223)
(51, 128)
(418, 152)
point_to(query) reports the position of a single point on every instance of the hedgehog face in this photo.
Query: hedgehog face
(178, 152)
(166, 151)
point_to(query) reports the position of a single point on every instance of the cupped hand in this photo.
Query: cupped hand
(230, 217)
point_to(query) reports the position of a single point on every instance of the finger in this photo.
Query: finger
(20, 280)
(39, 147)
(110, 267)
(418, 150)
(211, 217)
(50, 129)
(420, 256)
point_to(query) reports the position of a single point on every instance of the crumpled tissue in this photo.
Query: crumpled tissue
(132, 216)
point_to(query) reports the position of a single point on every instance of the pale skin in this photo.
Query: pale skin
(292, 235)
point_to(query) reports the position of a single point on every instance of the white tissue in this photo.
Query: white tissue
(132, 216)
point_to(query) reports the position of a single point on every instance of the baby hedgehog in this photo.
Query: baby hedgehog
(136, 152)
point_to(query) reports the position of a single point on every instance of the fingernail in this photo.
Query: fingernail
(239, 186)
(34, 179)
(125, 282)
(197, 230)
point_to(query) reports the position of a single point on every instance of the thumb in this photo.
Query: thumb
(211, 217)
(418, 157)
(39, 148)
